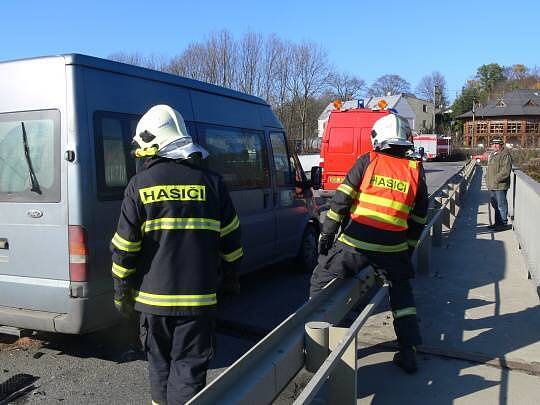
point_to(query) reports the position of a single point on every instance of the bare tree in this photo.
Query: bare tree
(249, 70)
(308, 79)
(433, 87)
(274, 48)
(389, 84)
(344, 86)
(188, 63)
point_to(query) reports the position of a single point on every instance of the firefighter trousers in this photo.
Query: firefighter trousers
(178, 350)
(343, 261)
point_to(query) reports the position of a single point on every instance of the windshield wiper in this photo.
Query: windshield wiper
(33, 178)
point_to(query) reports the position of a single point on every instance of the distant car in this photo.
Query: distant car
(481, 158)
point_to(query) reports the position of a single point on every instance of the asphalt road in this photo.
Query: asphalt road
(107, 367)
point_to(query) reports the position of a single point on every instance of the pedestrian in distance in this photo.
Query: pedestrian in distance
(498, 172)
(381, 207)
(178, 234)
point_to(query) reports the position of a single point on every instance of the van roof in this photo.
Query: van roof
(149, 74)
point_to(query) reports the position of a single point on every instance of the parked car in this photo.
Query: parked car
(483, 157)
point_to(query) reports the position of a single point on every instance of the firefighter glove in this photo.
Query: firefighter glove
(123, 299)
(326, 240)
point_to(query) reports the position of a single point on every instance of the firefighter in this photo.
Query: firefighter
(177, 233)
(381, 207)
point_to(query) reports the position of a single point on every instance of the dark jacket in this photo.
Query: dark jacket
(498, 170)
(377, 239)
(176, 224)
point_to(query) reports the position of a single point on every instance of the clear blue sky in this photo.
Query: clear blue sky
(365, 38)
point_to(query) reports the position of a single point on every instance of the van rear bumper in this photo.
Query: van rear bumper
(85, 315)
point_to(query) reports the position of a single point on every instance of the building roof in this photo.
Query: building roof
(517, 102)
(392, 101)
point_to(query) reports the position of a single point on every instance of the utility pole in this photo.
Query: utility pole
(435, 86)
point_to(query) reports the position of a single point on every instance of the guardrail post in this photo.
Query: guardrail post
(423, 257)
(316, 344)
(436, 238)
(342, 383)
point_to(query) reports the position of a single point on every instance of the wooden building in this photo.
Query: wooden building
(515, 118)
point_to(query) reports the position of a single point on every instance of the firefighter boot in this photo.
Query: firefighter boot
(406, 359)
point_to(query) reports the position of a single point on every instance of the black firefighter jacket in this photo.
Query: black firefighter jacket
(177, 223)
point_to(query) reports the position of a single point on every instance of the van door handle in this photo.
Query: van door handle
(4, 244)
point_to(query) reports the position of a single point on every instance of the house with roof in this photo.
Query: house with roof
(418, 112)
(514, 117)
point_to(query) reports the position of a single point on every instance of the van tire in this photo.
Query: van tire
(307, 257)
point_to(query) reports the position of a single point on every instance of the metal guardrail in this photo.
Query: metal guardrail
(524, 200)
(262, 373)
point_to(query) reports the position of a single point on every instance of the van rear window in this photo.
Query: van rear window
(29, 156)
(341, 140)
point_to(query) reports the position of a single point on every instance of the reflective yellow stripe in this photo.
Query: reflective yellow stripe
(372, 246)
(384, 202)
(146, 152)
(235, 223)
(400, 313)
(125, 245)
(334, 215)
(235, 255)
(413, 164)
(378, 216)
(419, 220)
(346, 189)
(120, 271)
(412, 242)
(160, 300)
(173, 192)
(162, 224)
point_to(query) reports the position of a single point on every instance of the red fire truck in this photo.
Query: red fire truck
(435, 146)
(347, 135)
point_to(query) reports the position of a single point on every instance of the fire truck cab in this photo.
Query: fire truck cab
(346, 137)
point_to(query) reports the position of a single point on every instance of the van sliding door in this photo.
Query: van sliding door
(240, 156)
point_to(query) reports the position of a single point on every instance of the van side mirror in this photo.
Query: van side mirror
(316, 177)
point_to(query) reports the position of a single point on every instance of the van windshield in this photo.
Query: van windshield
(42, 141)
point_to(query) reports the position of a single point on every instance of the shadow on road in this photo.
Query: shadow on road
(461, 313)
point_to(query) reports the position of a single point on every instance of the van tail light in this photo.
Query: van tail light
(78, 254)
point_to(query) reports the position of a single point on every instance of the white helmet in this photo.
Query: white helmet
(161, 131)
(390, 130)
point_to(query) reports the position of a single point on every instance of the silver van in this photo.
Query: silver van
(66, 124)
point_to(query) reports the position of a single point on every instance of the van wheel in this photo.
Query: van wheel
(309, 250)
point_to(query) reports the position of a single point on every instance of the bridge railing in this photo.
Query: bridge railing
(524, 209)
(262, 373)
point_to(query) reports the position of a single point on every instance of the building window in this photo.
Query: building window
(482, 128)
(532, 127)
(424, 107)
(496, 127)
(514, 127)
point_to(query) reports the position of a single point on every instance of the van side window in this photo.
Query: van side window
(281, 159)
(114, 157)
(113, 134)
(239, 155)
